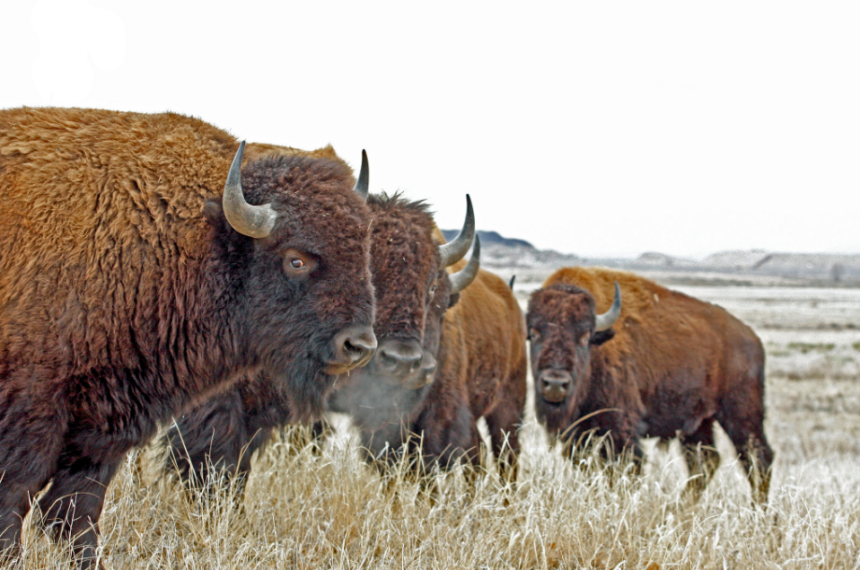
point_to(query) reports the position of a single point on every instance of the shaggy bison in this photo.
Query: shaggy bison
(666, 366)
(479, 343)
(413, 290)
(134, 281)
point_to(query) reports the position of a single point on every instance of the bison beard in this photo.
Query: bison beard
(125, 294)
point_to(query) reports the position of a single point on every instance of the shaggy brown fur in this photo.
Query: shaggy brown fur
(481, 365)
(674, 366)
(479, 343)
(225, 431)
(125, 295)
(482, 373)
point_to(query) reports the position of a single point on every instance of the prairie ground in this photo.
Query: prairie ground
(311, 510)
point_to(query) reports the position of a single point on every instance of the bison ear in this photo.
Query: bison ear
(600, 337)
(452, 300)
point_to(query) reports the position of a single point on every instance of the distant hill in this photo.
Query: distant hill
(492, 238)
(509, 256)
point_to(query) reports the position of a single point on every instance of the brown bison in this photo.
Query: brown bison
(665, 366)
(413, 290)
(134, 281)
(481, 372)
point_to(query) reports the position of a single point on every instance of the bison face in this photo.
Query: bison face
(413, 293)
(298, 286)
(562, 329)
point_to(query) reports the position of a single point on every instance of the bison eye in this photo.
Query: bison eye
(585, 339)
(432, 290)
(298, 265)
(534, 335)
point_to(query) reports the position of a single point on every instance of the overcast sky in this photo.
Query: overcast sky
(607, 128)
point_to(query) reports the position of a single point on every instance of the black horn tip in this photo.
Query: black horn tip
(362, 183)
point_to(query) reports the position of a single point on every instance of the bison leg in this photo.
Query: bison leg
(754, 451)
(756, 456)
(301, 436)
(449, 434)
(504, 423)
(73, 504)
(212, 442)
(701, 456)
(30, 443)
(15, 502)
(625, 449)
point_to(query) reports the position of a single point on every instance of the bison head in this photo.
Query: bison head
(562, 328)
(413, 292)
(293, 237)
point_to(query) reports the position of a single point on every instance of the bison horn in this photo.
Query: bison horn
(607, 319)
(456, 249)
(362, 185)
(465, 276)
(252, 221)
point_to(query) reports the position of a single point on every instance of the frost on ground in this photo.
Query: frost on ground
(308, 510)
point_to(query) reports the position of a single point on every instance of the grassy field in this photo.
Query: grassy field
(306, 510)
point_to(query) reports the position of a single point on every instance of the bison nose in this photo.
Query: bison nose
(398, 358)
(353, 347)
(555, 385)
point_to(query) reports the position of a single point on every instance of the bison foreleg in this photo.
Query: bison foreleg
(301, 436)
(503, 424)
(73, 505)
(31, 438)
(701, 456)
(14, 506)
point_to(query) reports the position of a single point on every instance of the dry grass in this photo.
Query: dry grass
(306, 510)
(331, 510)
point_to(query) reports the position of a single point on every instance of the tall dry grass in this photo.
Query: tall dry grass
(307, 510)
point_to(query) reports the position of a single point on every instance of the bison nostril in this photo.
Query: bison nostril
(555, 385)
(399, 358)
(358, 349)
(387, 360)
(354, 347)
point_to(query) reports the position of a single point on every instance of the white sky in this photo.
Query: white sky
(607, 128)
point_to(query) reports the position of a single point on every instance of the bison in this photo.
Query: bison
(413, 290)
(135, 279)
(665, 366)
(480, 349)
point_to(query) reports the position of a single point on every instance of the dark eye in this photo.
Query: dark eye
(432, 290)
(534, 335)
(298, 265)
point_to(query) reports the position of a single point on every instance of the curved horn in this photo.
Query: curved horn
(465, 276)
(456, 249)
(253, 221)
(362, 184)
(607, 319)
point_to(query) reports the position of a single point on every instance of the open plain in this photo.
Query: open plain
(318, 510)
